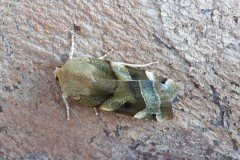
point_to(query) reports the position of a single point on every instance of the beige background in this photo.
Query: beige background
(197, 44)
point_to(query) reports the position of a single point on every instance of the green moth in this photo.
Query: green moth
(117, 87)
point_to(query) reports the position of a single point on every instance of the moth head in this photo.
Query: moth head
(171, 88)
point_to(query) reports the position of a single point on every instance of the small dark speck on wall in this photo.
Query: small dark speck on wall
(106, 132)
(206, 11)
(2, 129)
(234, 142)
(235, 18)
(216, 142)
(7, 88)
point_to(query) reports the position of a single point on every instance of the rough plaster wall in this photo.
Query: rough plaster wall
(197, 44)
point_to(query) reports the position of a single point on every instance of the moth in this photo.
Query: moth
(116, 87)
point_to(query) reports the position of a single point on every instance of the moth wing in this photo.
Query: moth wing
(129, 99)
(165, 108)
(125, 94)
(157, 101)
(125, 71)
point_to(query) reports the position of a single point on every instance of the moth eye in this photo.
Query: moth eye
(57, 79)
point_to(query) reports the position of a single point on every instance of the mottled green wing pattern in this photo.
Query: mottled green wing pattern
(118, 88)
(143, 99)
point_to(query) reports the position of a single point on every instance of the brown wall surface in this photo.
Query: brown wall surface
(196, 42)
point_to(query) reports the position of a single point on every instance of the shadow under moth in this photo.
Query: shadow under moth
(117, 87)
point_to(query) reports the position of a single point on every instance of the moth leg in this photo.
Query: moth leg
(156, 101)
(111, 105)
(72, 45)
(105, 55)
(64, 97)
(96, 111)
(135, 65)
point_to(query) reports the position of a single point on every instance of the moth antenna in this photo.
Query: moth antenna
(135, 65)
(96, 111)
(64, 97)
(128, 64)
(72, 45)
(105, 55)
(76, 115)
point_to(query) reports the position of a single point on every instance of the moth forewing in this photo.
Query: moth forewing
(117, 87)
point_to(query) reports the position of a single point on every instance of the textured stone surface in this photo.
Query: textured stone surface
(197, 43)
